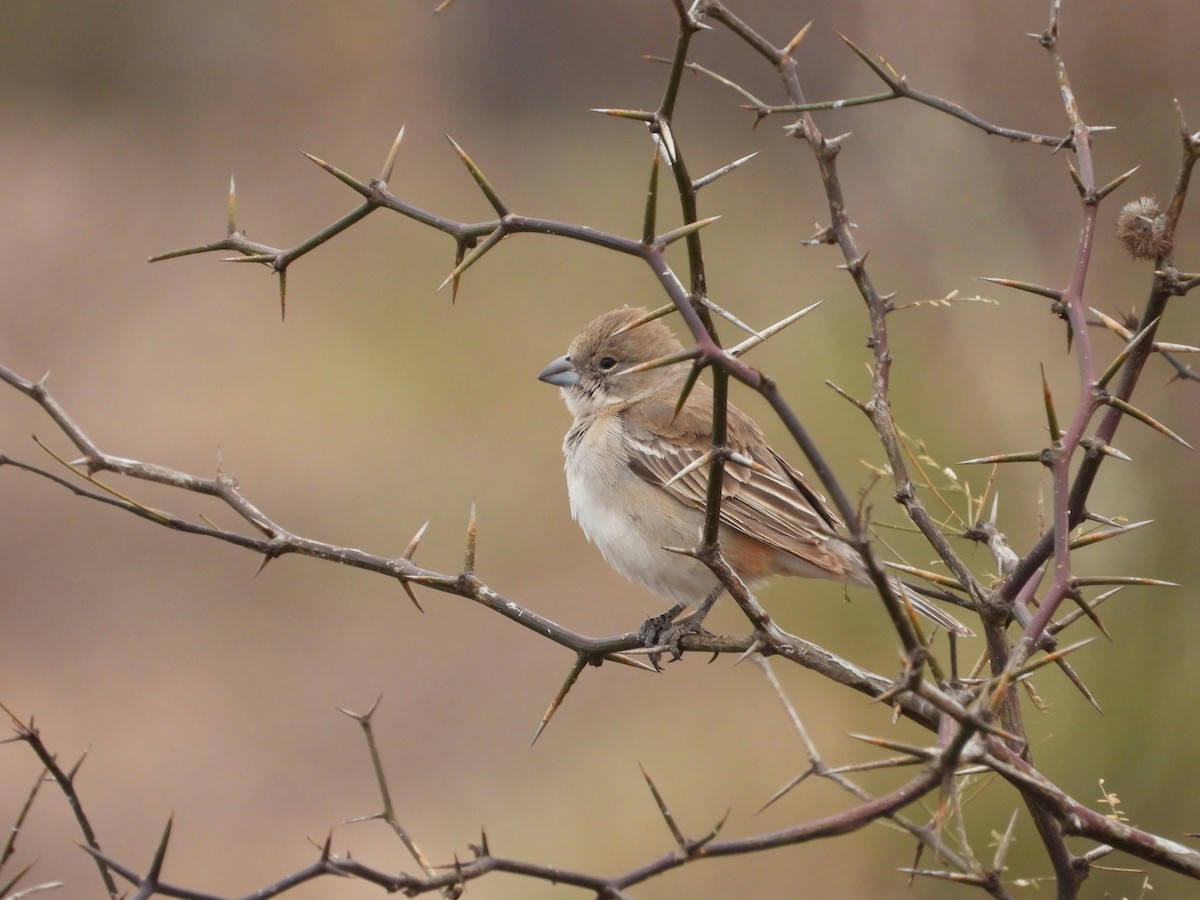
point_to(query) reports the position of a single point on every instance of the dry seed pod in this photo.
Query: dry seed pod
(1141, 229)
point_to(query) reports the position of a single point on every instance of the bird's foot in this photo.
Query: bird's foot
(663, 633)
(653, 629)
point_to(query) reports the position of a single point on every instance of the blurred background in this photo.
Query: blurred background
(210, 693)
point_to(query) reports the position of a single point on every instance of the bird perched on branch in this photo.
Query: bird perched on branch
(628, 454)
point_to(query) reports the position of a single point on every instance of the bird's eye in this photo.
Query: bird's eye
(607, 363)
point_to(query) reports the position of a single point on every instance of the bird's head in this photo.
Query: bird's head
(593, 373)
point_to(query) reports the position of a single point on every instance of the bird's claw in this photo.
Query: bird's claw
(653, 629)
(661, 633)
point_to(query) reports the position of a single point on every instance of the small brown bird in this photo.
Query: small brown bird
(624, 453)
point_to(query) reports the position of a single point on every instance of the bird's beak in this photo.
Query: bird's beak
(561, 373)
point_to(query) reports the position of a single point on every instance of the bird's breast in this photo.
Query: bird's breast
(627, 519)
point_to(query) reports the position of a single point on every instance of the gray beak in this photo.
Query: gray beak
(560, 373)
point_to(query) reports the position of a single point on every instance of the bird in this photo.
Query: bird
(627, 457)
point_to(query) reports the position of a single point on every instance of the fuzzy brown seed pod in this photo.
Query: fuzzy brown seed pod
(1141, 229)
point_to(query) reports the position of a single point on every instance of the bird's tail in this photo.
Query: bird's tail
(926, 607)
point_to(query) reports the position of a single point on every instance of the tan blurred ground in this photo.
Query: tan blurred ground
(209, 693)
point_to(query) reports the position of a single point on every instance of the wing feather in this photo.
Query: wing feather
(770, 502)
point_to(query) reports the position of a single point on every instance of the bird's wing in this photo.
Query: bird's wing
(767, 500)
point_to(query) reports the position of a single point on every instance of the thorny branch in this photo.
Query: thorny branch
(976, 721)
(274, 540)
